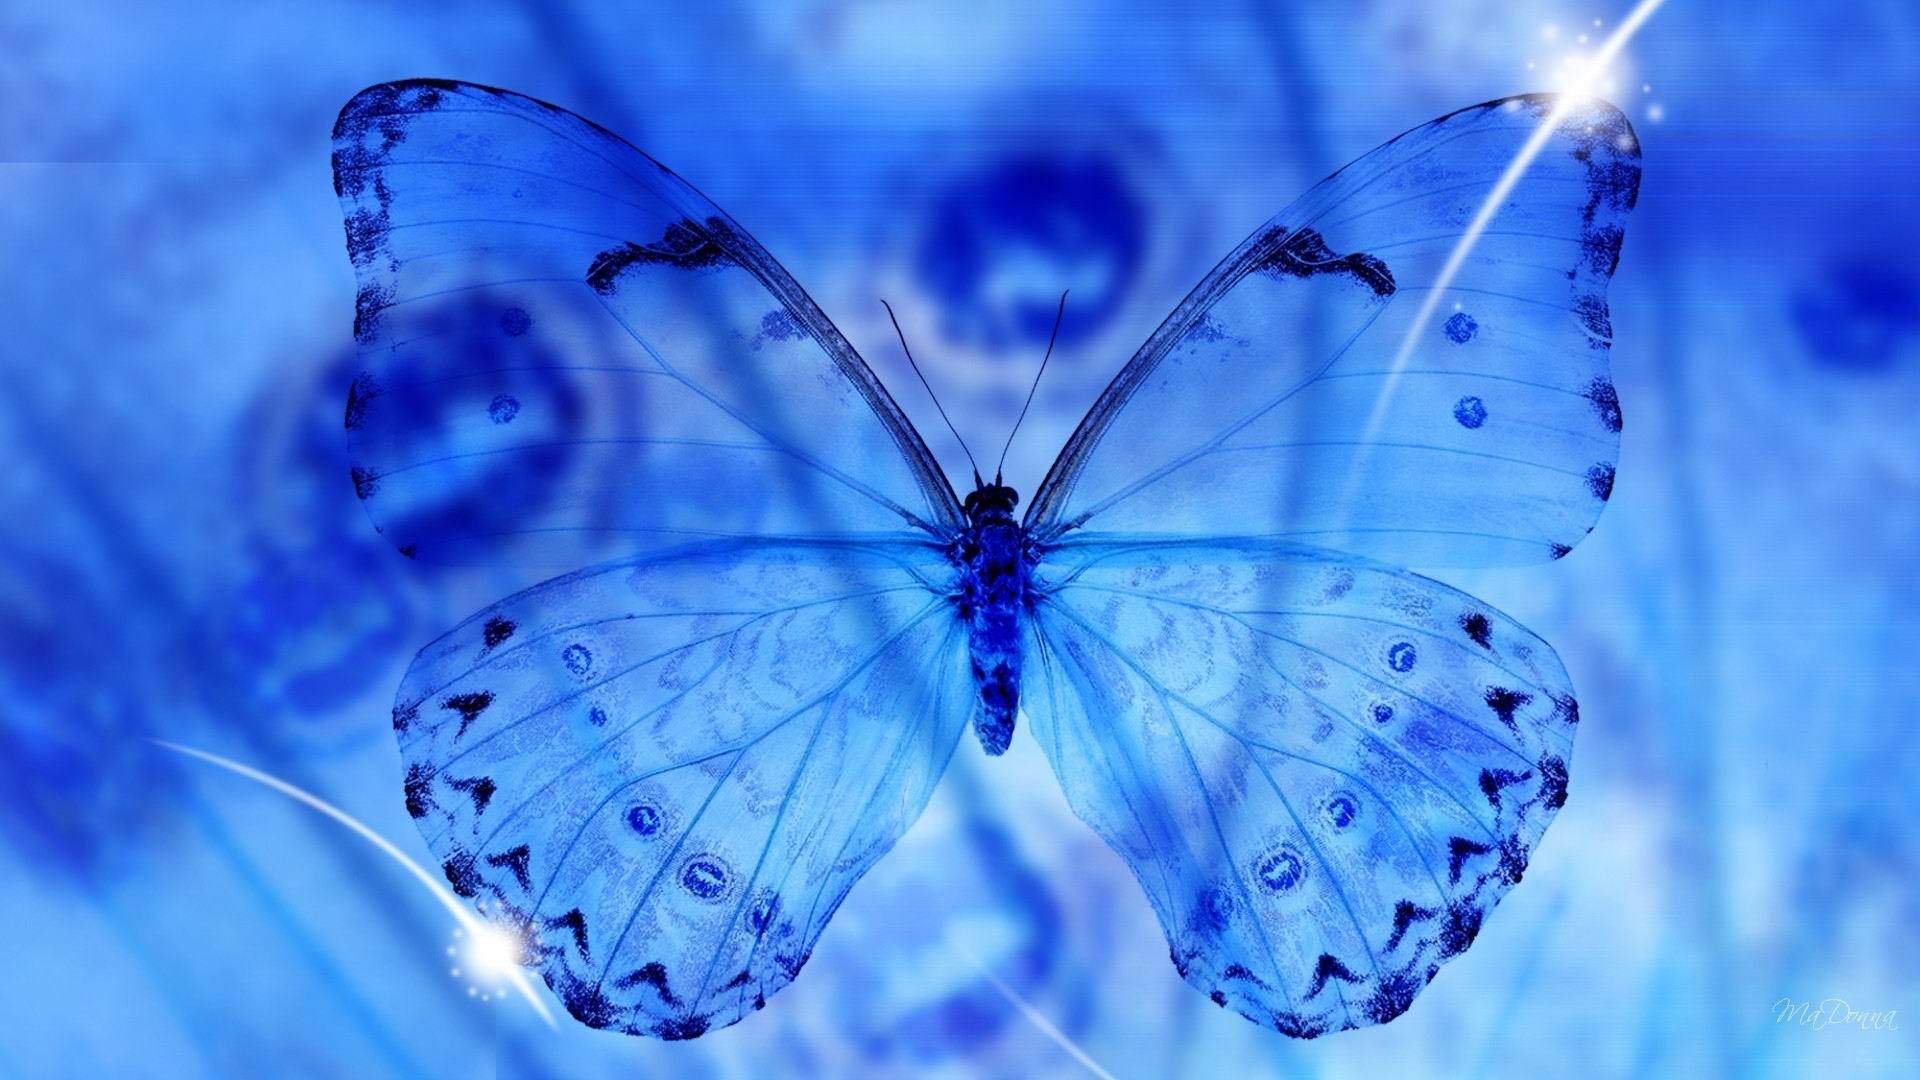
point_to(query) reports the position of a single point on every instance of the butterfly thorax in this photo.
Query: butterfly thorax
(993, 557)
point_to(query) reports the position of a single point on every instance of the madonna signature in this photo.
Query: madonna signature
(1832, 1012)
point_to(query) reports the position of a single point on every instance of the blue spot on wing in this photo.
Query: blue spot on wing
(707, 877)
(1282, 870)
(1402, 656)
(644, 819)
(578, 658)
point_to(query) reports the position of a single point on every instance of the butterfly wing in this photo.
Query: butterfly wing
(1323, 772)
(665, 773)
(565, 345)
(1278, 399)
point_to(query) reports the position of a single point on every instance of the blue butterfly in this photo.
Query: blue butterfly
(665, 771)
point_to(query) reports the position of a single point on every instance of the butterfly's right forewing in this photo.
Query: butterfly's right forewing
(1317, 389)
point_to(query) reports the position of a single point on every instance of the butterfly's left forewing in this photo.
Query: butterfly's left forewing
(1323, 772)
(567, 352)
(666, 773)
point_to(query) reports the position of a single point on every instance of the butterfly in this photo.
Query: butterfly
(664, 771)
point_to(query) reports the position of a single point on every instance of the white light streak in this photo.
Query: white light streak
(1579, 87)
(1038, 1019)
(476, 929)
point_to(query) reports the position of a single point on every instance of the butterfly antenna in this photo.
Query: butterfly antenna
(1051, 338)
(936, 399)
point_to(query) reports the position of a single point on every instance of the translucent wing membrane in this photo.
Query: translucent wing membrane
(567, 347)
(666, 773)
(1323, 772)
(1276, 400)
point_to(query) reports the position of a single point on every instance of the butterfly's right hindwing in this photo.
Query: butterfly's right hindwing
(664, 774)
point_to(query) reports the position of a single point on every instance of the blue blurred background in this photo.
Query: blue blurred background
(184, 559)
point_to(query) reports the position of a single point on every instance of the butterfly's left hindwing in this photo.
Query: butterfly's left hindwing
(1323, 772)
(664, 774)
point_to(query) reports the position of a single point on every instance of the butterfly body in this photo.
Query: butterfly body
(995, 560)
(662, 772)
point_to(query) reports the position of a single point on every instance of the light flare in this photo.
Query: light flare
(1584, 76)
(1588, 73)
(492, 953)
(476, 930)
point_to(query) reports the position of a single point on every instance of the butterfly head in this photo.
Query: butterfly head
(991, 502)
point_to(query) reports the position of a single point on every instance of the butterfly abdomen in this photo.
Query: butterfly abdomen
(994, 561)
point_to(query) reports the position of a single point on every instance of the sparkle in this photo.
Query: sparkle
(359, 828)
(493, 954)
(1656, 112)
(488, 960)
(1496, 198)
